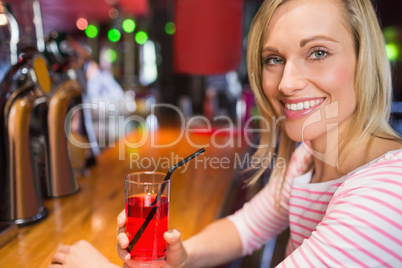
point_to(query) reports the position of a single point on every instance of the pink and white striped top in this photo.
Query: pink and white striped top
(353, 221)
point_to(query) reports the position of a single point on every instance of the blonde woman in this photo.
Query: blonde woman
(319, 69)
(322, 65)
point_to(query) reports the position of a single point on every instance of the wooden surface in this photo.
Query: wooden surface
(196, 195)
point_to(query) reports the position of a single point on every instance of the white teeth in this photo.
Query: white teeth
(302, 105)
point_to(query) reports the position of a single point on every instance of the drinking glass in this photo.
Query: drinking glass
(141, 190)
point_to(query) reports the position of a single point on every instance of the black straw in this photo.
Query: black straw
(153, 210)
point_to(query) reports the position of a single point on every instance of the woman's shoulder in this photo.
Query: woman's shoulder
(383, 145)
(390, 157)
(385, 169)
(377, 183)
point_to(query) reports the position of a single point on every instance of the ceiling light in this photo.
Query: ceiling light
(82, 24)
(91, 31)
(141, 37)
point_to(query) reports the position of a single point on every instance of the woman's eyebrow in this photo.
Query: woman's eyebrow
(303, 42)
(316, 37)
(270, 48)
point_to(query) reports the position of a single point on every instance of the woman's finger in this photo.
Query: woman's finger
(176, 254)
(122, 238)
(123, 254)
(173, 239)
(59, 257)
(121, 219)
(64, 248)
(120, 230)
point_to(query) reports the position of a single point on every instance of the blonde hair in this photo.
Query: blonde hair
(372, 85)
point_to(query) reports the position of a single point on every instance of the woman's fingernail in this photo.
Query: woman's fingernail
(169, 235)
(127, 257)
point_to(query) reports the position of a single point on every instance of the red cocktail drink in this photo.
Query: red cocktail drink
(147, 209)
(151, 245)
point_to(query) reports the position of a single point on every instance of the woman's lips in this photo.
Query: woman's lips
(298, 108)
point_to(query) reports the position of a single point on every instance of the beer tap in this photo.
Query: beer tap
(24, 88)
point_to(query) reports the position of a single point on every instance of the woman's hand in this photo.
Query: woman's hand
(80, 254)
(122, 239)
(176, 255)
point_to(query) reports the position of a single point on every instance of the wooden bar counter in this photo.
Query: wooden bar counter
(197, 192)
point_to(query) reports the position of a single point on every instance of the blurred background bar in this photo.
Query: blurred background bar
(190, 54)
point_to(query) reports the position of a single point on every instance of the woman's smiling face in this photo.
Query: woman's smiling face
(309, 62)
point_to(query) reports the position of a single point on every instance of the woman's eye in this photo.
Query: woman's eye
(273, 61)
(318, 54)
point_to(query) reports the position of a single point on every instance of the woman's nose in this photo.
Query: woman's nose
(292, 79)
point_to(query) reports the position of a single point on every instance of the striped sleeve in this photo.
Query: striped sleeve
(259, 220)
(362, 226)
